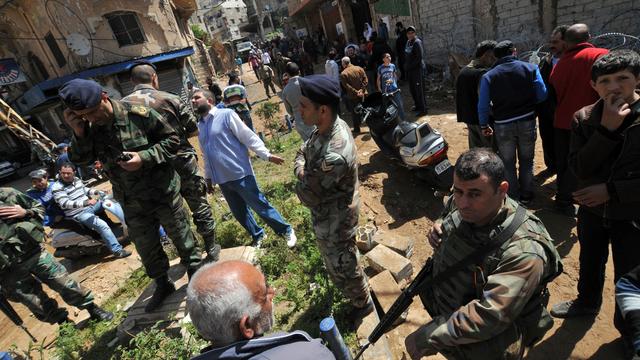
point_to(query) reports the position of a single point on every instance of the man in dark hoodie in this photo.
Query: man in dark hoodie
(231, 305)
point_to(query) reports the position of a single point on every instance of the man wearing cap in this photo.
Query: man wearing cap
(25, 265)
(414, 67)
(41, 190)
(179, 115)
(135, 144)
(509, 92)
(327, 169)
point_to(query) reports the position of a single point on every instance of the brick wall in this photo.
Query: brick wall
(457, 25)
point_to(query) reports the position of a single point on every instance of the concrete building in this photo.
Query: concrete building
(223, 20)
(52, 42)
(456, 26)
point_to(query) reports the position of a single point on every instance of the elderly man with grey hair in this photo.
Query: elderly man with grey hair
(231, 306)
(354, 81)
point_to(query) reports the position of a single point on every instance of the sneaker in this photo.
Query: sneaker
(257, 243)
(164, 288)
(572, 308)
(292, 239)
(98, 313)
(122, 254)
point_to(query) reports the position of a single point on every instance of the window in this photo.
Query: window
(233, 21)
(55, 49)
(237, 9)
(126, 28)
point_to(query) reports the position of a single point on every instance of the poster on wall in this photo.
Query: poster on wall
(302, 32)
(339, 28)
(10, 72)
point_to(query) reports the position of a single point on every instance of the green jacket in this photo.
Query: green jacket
(20, 238)
(138, 129)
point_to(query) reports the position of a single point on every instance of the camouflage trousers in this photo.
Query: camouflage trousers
(144, 217)
(23, 283)
(193, 189)
(508, 345)
(335, 233)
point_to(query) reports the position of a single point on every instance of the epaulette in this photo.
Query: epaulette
(139, 110)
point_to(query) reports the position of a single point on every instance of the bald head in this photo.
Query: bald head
(229, 301)
(576, 34)
(142, 74)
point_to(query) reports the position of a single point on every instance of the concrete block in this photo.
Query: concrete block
(382, 258)
(378, 351)
(364, 237)
(401, 244)
(386, 291)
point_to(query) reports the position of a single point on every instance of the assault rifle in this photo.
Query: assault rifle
(8, 310)
(401, 304)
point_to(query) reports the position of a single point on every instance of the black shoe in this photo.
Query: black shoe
(358, 313)
(213, 254)
(572, 308)
(191, 271)
(164, 288)
(122, 254)
(98, 313)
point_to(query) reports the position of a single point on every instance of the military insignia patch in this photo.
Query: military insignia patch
(140, 110)
(326, 167)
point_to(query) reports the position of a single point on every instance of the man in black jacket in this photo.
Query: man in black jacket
(401, 41)
(605, 143)
(414, 67)
(467, 85)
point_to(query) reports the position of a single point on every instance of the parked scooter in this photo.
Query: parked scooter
(72, 240)
(418, 147)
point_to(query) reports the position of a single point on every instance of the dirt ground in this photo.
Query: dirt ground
(397, 202)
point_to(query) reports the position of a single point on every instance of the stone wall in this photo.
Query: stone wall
(457, 25)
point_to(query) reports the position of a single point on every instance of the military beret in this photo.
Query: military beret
(321, 89)
(38, 174)
(80, 94)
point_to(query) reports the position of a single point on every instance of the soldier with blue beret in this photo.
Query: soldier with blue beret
(135, 145)
(327, 169)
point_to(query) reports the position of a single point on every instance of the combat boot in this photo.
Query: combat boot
(213, 254)
(164, 288)
(97, 313)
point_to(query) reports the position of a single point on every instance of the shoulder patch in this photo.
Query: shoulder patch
(139, 110)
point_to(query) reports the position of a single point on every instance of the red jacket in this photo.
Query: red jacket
(571, 80)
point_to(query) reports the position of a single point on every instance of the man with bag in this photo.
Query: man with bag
(495, 305)
(25, 266)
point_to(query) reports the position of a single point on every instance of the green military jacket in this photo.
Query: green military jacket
(330, 166)
(480, 303)
(134, 128)
(20, 238)
(178, 114)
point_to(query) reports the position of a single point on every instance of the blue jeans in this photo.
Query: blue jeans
(243, 194)
(89, 219)
(517, 136)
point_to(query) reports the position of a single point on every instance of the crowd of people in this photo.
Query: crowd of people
(494, 303)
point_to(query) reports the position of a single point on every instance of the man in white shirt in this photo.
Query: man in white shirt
(225, 142)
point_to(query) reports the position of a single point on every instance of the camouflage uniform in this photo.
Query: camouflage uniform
(497, 307)
(150, 196)
(193, 187)
(24, 266)
(329, 188)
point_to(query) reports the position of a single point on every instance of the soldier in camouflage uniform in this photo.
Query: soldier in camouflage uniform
(496, 307)
(192, 185)
(24, 265)
(135, 145)
(327, 167)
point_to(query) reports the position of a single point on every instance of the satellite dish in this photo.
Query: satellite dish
(79, 44)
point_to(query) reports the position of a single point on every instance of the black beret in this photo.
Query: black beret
(80, 94)
(321, 89)
(141, 62)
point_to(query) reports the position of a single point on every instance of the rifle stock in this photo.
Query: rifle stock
(8, 310)
(401, 304)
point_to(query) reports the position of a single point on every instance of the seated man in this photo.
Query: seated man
(231, 306)
(25, 265)
(72, 196)
(41, 190)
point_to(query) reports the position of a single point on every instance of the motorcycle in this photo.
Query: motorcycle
(72, 240)
(418, 147)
